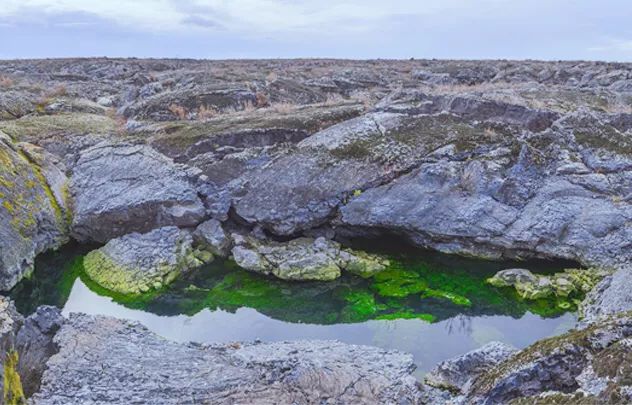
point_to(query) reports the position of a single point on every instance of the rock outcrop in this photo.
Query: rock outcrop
(137, 263)
(25, 347)
(304, 259)
(211, 236)
(33, 208)
(583, 366)
(104, 360)
(534, 286)
(456, 375)
(120, 189)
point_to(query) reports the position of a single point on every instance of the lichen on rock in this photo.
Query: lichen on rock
(137, 263)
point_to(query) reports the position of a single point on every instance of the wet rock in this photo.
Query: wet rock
(33, 215)
(532, 286)
(304, 259)
(212, 237)
(120, 189)
(457, 374)
(137, 263)
(104, 360)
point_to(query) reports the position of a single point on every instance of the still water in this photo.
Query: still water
(431, 305)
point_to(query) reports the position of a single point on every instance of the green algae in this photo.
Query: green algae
(398, 282)
(430, 288)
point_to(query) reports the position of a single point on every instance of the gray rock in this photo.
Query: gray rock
(304, 259)
(104, 360)
(457, 374)
(213, 238)
(137, 263)
(33, 215)
(120, 189)
(34, 343)
(612, 295)
(27, 341)
(587, 363)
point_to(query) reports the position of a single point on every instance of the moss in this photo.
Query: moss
(40, 126)
(12, 393)
(360, 149)
(112, 276)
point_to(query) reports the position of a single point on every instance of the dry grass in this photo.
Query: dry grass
(57, 91)
(179, 111)
(6, 82)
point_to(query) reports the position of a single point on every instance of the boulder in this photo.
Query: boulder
(33, 208)
(104, 360)
(564, 284)
(612, 295)
(137, 263)
(120, 189)
(34, 344)
(211, 236)
(582, 366)
(457, 374)
(304, 259)
(25, 346)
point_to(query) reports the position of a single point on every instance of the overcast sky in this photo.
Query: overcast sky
(481, 29)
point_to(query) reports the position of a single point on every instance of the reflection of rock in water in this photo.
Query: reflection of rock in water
(459, 324)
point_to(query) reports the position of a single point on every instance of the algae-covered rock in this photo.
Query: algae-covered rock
(120, 189)
(361, 263)
(304, 259)
(33, 214)
(137, 263)
(532, 286)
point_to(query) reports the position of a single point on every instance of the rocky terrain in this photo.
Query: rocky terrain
(167, 163)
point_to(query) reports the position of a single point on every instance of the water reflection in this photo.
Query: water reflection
(428, 342)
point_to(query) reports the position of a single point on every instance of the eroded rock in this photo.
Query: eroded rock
(104, 360)
(33, 213)
(304, 259)
(137, 263)
(120, 189)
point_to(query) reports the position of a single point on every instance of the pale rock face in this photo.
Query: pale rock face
(120, 189)
(104, 360)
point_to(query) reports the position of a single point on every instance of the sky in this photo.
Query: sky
(354, 29)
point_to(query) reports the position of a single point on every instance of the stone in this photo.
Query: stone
(34, 343)
(304, 259)
(33, 208)
(120, 189)
(104, 360)
(138, 263)
(588, 363)
(457, 374)
(612, 295)
(212, 237)
(563, 284)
